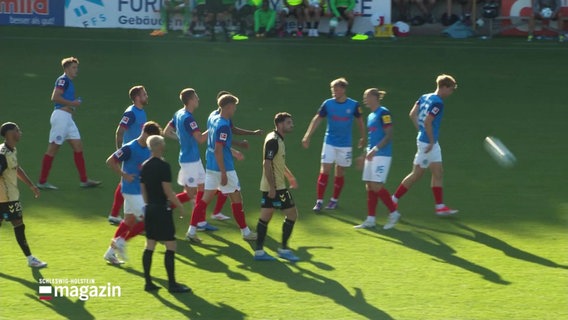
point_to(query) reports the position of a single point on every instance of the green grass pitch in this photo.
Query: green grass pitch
(504, 256)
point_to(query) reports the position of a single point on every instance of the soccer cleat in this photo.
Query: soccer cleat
(288, 255)
(332, 205)
(47, 186)
(112, 259)
(318, 206)
(36, 263)
(193, 238)
(90, 183)
(446, 211)
(365, 225)
(393, 219)
(219, 216)
(178, 288)
(251, 236)
(119, 244)
(207, 227)
(114, 220)
(261, 255)
(150, 287)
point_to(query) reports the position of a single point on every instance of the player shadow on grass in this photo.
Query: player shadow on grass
(494, 243)
(303, 280)
(62, 305)
(198, 308)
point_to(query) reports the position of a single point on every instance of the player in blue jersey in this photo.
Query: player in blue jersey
(378, 158)
(63, 128)
(184, 128)
(127, 162)
(427, 116)
(220, 170)
(129, 128)
(340, 112)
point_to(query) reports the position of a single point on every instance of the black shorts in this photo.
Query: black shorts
(282, 201)
(10, 211)
(214, 6)
(342, 13)
(159, 223)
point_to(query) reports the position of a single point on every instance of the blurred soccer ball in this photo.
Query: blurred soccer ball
(333, 22)
(546, 13)
(498, 151)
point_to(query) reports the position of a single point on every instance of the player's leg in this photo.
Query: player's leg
(15, 216)
(239, 215)
(132, 206)
(437, 190)
(77, 145)
(291, 215)
(343, 159)
(59, 123)
(47, 161)
(217, 214)
(327, 160)
(212, 181)
(137, 208)
(266, 212)
(147, 265)
(118, 201)
(420, 163)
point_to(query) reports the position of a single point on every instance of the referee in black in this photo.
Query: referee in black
(155, 179)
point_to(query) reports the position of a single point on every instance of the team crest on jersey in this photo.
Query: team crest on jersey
(193, 125)
(348, 111)
(386, 119)
(223, 137)
(435, 110)
(119, 153)
(61, 83)
(270, 154)
(125, 120)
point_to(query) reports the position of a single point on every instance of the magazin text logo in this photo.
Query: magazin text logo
(24, 7)
(83, 289)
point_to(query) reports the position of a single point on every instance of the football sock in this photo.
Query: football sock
(371, 203)
(122, 230)
(21, 238)
(117, 202)
(221, 199)
(147, 264)
(239, 214)
(135, 230)
(322, 184)
(80, 164)
(337, 186)
(199, 196)
(183, 197)
(261, 229)
(287, 228)
(385, 197)
(198, 213)
(45, 167)
(400, 191)
(170, 266)
(438, 195)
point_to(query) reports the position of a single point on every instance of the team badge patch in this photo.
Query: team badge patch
(223, 136)
(387, 119)
(193, 125)
(61, 83)
(119, 153)
(125, 120)
(435, 110)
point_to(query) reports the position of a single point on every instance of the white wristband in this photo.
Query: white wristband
(375, 149)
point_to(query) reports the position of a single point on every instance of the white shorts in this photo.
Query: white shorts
(377, 170)
(425, 159)
(134, 204)
(338, 155)
(62, 127)
(213, 181)
(191, 174)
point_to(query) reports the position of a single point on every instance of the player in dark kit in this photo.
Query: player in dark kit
(155, 179)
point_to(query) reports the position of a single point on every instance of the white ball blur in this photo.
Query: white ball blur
(546, 13)
(499, 152)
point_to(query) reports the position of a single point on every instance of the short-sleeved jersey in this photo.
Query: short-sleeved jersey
(219, 132)
(132, 155)
(340, 117)
(133, 120)
(154, 172)
(8, 174)
(215, 114)
(429, 104)
(275, 151)
(65, 84)
(377, 121)
(185, 125)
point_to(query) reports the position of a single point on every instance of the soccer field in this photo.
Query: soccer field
(503, 256)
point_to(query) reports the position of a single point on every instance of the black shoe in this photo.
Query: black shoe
(151, 287)
(179, 288)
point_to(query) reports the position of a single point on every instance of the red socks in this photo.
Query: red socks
(136, 230)
(337, 186)
(117, 202)
(198, 213)
(239, 214)
(371, 203)
(221, 199)
(400, 191)
(45, 167)
(122, 230)
(80, 164)
(438, 194)
(322, 184)
(385, 197)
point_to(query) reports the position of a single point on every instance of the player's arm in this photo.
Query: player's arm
(26, 179)
(170, 131)
(429, 131)
(384, 141)
(119, 135)
(270, 151)
(200, 137)
(57, 97)
(291, 179)
(414, 116)
(114, 160)
(220, 163)
(241, 143)
(316, 120)
(237, 154)
(361, 124)
(351, 6)
(171, 195)
(245, 132)
(144, 192)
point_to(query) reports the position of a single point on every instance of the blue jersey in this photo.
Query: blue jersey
(132, 155)
(429, 104)
(377, 121)
(133, 121)
(219, 132)
(185, 125)
(213, 115)
(66, 85)
(339, 121)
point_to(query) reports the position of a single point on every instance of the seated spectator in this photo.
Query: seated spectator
(343, 9)
(402, 7)
(313, 12)
(199, 15)
(218, 10)
(425, 7)
(295, 8)
(244, 12)
(173, 6)
(546, 10)
(264, 21)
